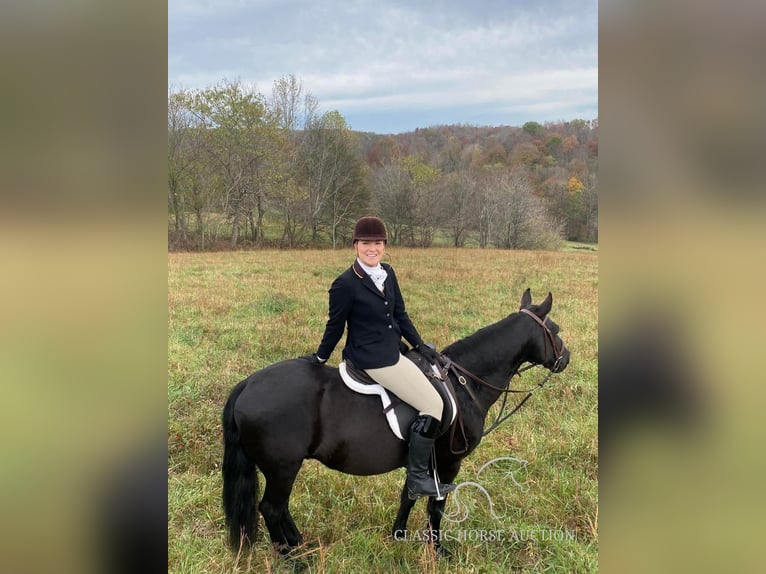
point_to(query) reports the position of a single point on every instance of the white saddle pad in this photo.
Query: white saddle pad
(385, 399)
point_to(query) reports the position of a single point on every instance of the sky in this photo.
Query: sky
(394, 66)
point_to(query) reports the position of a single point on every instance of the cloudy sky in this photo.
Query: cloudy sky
(392, 66)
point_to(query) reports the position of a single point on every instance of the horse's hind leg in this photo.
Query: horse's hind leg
(274, 506)
(288, 527)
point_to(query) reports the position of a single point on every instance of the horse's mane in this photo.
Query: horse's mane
(480, 339)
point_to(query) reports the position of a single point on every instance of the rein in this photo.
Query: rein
(459, 371)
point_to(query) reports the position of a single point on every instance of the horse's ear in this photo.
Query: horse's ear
(526, 299)
(545, 307)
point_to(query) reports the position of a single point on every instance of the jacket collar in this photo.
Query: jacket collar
(361, 273)
(366, 279)
(358, 270)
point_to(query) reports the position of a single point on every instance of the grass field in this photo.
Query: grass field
(232, 313)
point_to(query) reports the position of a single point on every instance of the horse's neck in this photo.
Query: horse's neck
(492, 354)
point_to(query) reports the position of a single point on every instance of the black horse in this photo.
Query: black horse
(294, 410)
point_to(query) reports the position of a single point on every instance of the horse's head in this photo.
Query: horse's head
(550, 349)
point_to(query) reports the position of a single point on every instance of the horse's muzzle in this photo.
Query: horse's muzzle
(561, 362)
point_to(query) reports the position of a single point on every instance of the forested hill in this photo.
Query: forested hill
(254, 171)
(563, 141)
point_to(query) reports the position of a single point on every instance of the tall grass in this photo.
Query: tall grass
(235, 312)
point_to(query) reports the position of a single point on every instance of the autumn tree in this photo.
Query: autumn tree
(569, 146)
(383, 151)
(179, 159)
(589, 230)
(331, 171)
(391, 187)
(452, 158)
(295, 109)
(525, 154)
(239, 139)
(459, 199)
(490, 192)
(495, 155)
(522, 221)
(426, 200)
(193, 180)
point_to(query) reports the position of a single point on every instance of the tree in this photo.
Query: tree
(391, 189)
(525, 154)
(575, 186)
(553, 146)
(239, 138)
(452, 156)
(383, 151)
(522, 222)
(569, 145)
(294, 109)
(192, 182)
(490, 190)
(331, 171)
(426, 210)
(589, 230)
(179, 160)
(351, 195)
(495, 155)
(459, 196)
(408, 196)
(533, 128)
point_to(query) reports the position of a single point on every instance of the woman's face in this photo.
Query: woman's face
(370, 252)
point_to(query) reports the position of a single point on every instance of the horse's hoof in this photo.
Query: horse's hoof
(442, 552)
(282, 549)
(287, 551)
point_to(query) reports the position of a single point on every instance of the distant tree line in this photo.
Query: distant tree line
(254, 170)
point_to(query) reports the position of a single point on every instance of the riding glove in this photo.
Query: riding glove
(430, 354)
(314, 360)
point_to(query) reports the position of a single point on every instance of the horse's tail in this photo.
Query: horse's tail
(240, 480)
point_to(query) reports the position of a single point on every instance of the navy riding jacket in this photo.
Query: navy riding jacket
(376, 321)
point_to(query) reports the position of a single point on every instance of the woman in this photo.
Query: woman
(366, 299)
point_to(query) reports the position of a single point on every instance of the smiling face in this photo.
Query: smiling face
(370, 252)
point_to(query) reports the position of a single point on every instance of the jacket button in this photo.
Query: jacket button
(389, 327)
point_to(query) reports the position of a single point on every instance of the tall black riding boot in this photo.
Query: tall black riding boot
(419, 482)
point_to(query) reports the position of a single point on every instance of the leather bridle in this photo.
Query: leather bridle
(459, 371)
(558, 353)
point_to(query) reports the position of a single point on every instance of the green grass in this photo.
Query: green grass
(232, 313)
(579, 246)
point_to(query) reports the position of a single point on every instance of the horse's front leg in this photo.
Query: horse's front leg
(436, 512)
(399, 531)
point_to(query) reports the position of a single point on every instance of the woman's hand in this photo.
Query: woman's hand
(428, 353)
(313, 359)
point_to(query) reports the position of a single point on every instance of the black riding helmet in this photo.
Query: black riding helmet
(370, 228)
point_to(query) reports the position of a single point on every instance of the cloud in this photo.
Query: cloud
(531, 88)
(359, 55)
